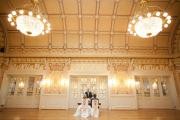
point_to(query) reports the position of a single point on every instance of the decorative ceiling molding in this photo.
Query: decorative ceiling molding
(88, 28)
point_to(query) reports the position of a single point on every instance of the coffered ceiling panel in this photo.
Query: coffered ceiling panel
(174, 9)
(169, 29)
(4, 6)
(72, 41)
(40, 41)
(103, 41)
(88, 6)
(118, 41)
(162, 41)
(106, 7)
(6, 23)
(88, 23)
(70, 6)
(19, 3)
(88, 41)
(121, 24)
(52, 6)
(124, 7)
(162, 4)
(72, 22)
(56, 22)
(57, 40)
(140, 42)
(14, 39)
(104, 23)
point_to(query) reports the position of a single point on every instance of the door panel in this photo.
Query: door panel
(153, 92)
(96, 84)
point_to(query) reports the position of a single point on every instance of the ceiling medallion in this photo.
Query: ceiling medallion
(30, 22)
(148, 20)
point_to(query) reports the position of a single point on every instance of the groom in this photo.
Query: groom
(88, 94)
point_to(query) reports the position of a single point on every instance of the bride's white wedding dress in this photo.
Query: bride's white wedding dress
(83, 110)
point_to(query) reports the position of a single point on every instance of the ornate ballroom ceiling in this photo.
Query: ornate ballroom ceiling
(86, 28)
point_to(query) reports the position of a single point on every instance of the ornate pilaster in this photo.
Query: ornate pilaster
(4, 63)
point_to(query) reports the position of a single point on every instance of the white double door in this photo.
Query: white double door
(96, 84)
(154, 92)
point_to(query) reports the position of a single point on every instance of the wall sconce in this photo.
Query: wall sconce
(137, 84)
(130, 83)
(45, 83)
(154, 85)
(21, 85)
(111, 82)
(63, 83)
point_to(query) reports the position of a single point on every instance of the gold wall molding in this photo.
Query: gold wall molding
(128, 64)
(76, 52)
(64, 64)
(118, 64)
(152, 64)
(59, 64)
(37, 64)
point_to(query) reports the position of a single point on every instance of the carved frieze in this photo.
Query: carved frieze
(33, 64)
(63, 64)
(84, 52)
(151, 67)
(151, 64)
(27, 64)
(127, 64)
(118, 64)
(56, 66)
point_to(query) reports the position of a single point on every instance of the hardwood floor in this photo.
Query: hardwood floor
(35, 114)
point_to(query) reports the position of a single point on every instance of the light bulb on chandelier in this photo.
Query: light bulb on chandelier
(148, 21)
(29, 22)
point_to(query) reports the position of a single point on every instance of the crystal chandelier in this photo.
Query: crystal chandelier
(148, 20)
(30, 22)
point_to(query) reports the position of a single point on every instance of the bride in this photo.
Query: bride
(83, 110)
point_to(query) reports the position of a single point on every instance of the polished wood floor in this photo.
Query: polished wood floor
(35, 114)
